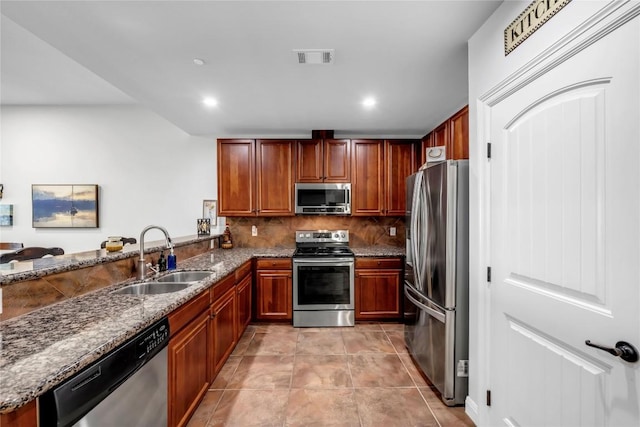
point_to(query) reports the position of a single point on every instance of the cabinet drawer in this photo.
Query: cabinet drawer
(395, 263)
(222, 286)
(273, 263)
(183, 315)
(243, 270)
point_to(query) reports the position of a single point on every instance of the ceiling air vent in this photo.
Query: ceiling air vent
(315, 56)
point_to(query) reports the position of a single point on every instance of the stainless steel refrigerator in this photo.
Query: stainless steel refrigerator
(437, 275)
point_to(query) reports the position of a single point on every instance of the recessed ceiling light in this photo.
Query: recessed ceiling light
(209, 101)
(369, 102)
(199, 61)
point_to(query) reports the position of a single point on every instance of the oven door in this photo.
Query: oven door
(323, 284)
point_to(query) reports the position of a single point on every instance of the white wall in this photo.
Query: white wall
(488, 70)
(148, 170)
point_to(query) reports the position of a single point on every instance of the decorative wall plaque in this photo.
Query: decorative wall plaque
(528, 22)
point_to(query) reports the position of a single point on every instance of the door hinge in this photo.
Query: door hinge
(488, 397)
(488, 150)
(489, 274)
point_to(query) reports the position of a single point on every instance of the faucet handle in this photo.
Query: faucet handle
(151, 267)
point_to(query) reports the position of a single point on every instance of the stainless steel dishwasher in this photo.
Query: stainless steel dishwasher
(127, 387)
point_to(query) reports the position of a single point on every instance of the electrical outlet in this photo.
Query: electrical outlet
(392, 231)
(463, 368)
(254, 230)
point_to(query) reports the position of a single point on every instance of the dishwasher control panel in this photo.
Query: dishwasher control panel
(152, 339)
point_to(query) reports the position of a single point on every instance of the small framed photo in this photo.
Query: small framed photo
(209, 210)
(204, 227)
(65, 206)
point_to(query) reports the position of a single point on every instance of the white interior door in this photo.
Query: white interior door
(565, 241)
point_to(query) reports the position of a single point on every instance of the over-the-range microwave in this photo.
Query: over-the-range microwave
(323, 199)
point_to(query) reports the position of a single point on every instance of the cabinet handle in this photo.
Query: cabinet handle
(379, 262)
(213, 315)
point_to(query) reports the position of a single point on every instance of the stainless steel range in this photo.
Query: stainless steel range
(323, 279)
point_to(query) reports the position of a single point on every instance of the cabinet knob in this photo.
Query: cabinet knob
(213, 315)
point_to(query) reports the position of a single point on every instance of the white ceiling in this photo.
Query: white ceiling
(410, 55)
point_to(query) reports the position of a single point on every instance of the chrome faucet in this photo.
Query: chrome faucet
(141, 263)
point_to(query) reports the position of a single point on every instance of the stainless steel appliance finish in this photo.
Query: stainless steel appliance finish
(323, 199)
(127, 387)
(437, 275)
(323, 279)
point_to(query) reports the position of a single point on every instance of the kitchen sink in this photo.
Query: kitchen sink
(185, 276)
(152, 288)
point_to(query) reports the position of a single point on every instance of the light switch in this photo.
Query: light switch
(392, 231)
(254, 230)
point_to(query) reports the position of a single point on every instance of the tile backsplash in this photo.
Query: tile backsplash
(279, 231)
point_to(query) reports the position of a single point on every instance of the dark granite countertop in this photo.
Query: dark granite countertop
(41, 349)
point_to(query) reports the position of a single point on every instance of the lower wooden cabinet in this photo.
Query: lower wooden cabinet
(274, 288)
(25, 416)
(378, 285)
(223, 329)
(188, 369)
(243, 302)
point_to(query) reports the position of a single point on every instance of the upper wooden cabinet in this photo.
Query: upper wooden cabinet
(400, 162)
(367, 180)
(324, 160)
(255, 177)
(274, 166)
(458, 143)
(453, 133)
(380, 169)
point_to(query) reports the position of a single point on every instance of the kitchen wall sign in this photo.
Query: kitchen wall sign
(6, 215)
(528, 22)
(65, 205)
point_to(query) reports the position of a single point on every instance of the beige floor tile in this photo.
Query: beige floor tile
(262, 372)
(243, 343)
(378, 370)
(204, 412)
(373, 326)
(397, 340)
(247, 408)
(274, 343)
(447, 416)
(393, 407)
(313, 371)
(321, 408)
(367, 342)
(368, 387)
(264, 328)
(396, 327)
(226, 373)
(328, 342)
(417, 376)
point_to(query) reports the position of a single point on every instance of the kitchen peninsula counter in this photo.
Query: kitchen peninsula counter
(41, 349)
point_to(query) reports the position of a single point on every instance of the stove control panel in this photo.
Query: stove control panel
(322, 236)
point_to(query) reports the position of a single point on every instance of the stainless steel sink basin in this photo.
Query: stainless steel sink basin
(185, 276)
(152, 288)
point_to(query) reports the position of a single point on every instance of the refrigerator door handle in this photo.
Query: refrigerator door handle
(415, 216)
(433, 313)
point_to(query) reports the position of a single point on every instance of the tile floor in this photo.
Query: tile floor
(283, 376)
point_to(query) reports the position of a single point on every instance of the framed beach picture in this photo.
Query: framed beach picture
(6, 215)
(65, 206)
(209, 210)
